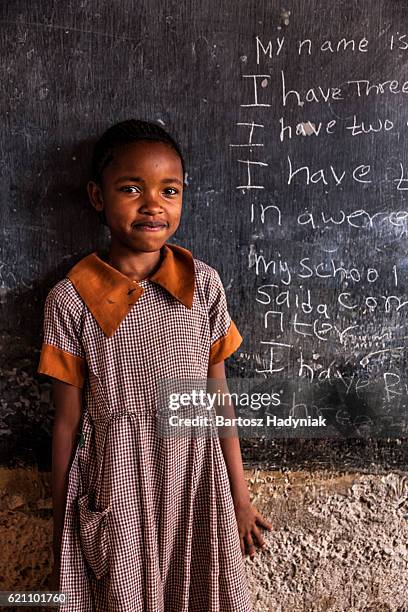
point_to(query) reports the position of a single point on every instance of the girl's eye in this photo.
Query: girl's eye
(128, 187)
(168, 191)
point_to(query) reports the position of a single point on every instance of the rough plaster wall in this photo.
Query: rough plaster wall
(25, 530)
(339, 541)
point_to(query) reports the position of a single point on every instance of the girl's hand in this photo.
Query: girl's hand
(249, 519)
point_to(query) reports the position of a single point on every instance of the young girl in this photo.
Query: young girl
(142, 522)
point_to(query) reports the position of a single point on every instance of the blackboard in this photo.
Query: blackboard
(293, 124)
(321, 178)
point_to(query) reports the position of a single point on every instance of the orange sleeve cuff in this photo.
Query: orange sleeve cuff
(59, 364)
(226, 345)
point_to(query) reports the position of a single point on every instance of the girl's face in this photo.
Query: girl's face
(141, 193)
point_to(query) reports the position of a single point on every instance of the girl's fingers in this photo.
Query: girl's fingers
(250, 545)
(258, 536)
(263, 521)
(249, 526)
(242, 543)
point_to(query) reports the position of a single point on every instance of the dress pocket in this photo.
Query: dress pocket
(94, 536)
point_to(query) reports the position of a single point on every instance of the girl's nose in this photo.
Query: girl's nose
(150, 202)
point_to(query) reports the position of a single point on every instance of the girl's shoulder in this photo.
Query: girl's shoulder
(208, 279)
(64, 296)
(65, 289)
(204, 272)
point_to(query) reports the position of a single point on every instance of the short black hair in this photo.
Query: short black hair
(126, 132)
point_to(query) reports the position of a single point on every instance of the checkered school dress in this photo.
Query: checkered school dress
(149, 523)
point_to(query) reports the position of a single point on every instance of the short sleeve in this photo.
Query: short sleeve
(62, 355)
(225, 337)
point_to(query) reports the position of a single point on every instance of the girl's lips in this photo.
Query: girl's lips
(148, 228)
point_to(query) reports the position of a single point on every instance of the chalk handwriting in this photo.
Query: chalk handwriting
(327, 238)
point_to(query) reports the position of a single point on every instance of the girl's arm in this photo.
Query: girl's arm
(229, 439)
(247, 515)
(68, 410)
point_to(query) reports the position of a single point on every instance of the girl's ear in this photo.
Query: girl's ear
(95, 195)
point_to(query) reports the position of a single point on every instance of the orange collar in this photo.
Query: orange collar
(109, 294)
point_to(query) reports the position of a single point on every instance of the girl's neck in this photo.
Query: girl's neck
(136, 268)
